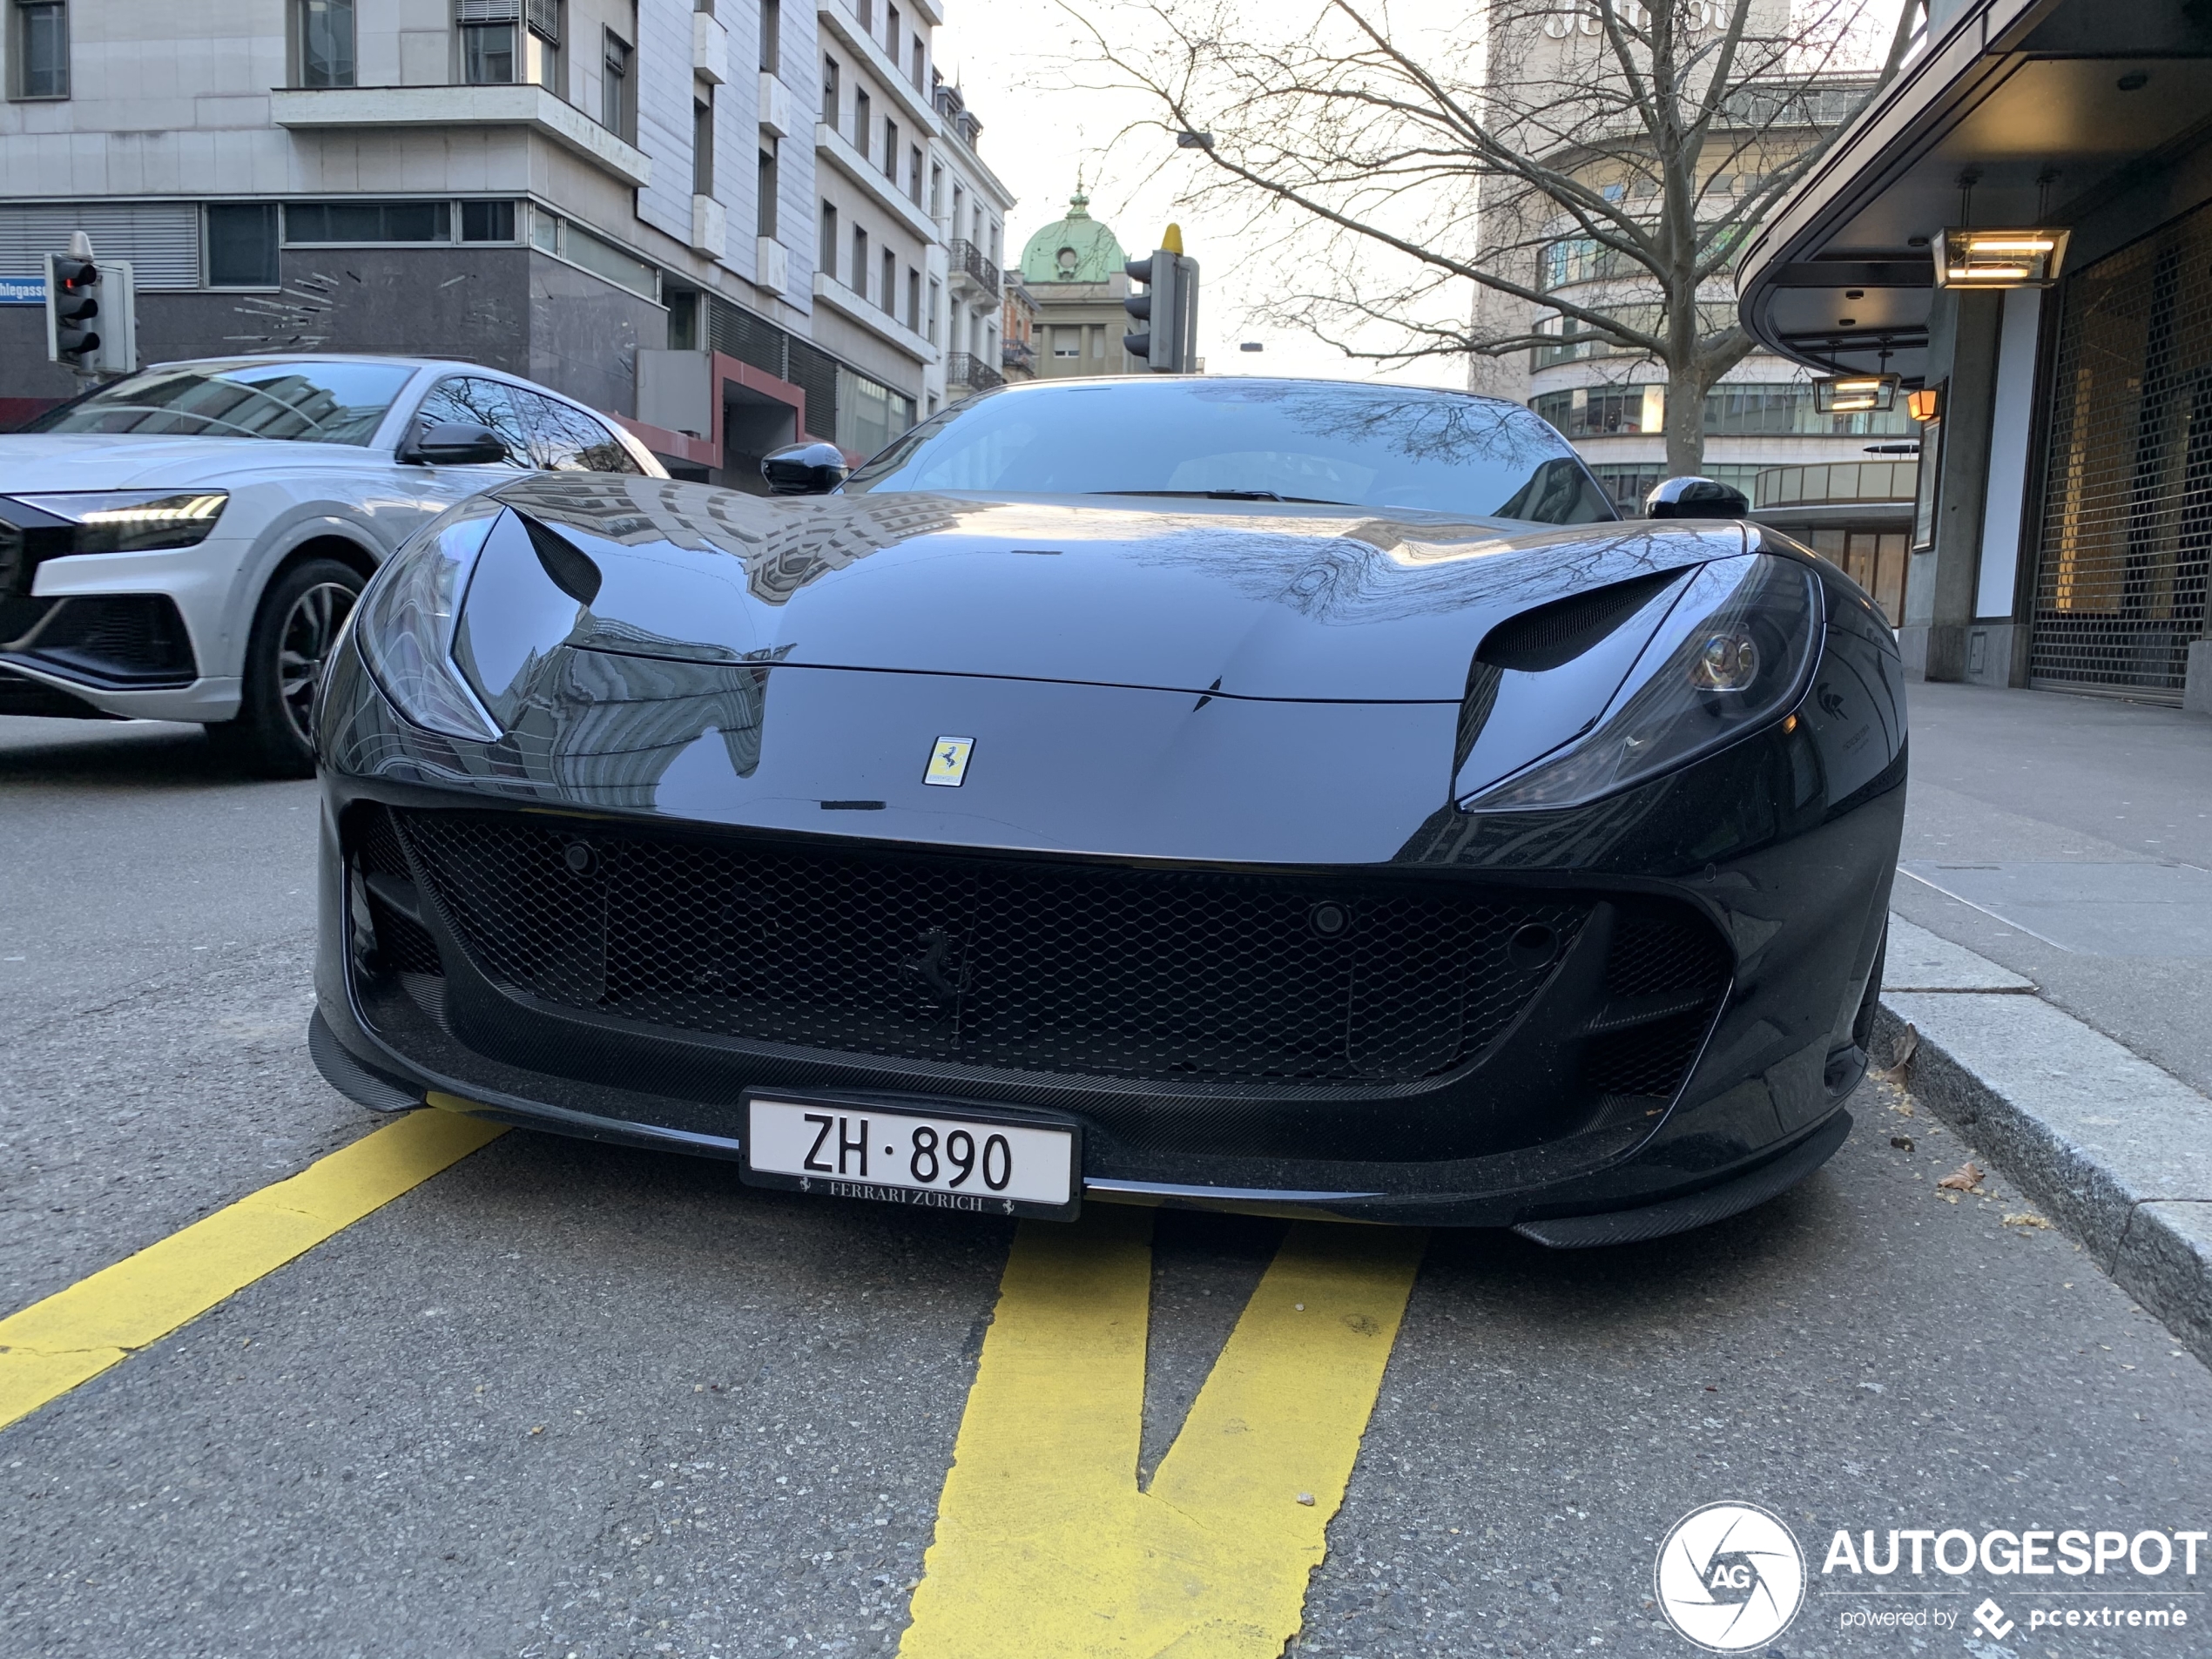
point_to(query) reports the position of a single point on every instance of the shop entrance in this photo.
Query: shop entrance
(2126, 523)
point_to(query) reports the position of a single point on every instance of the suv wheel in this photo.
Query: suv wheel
(293, 632)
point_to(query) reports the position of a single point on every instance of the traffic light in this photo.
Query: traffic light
(91, 311)
(1169, 307)
(72, 312)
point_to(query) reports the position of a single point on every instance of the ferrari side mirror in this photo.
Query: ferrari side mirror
(804, 469)
(1697, 498)
(454, 443)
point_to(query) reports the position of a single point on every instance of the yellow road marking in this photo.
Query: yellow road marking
(75, 1334)
(1046, 1549)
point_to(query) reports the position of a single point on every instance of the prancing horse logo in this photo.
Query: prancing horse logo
(933, 972)
(948, 761)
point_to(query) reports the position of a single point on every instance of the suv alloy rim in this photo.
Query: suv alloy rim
(310, 629)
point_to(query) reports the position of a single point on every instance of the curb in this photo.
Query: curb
(2116, 1152)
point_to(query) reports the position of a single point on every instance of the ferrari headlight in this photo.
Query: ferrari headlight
(403, 625)
(1731, 656)
(132, 521)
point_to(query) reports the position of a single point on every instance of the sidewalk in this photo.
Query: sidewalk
(2052, 943)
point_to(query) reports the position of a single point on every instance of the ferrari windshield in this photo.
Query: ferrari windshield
(1380, 447)
(303, 402)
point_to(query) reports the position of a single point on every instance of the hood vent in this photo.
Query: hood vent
(1555, 634)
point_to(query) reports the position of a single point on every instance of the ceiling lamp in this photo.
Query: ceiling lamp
(1999, 258)
(1855, 394)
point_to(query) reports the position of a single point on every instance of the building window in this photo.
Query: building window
(936, 192)
(487, 221)
(889, 294)
(487, 53)
(891, 150)
(866, 10)
(913, 300)
(39, 44)
(936, 304)
(859, 262)
(772, 36)
(349, 223)
(1067, 342)
(917, 70)
(543, 40)
(833, 100)
(863, 118)
(617, 92)
(913, 172)
(828, 252)
(241, 244)
(326, 42)
(891, 31)
(765, 214)
(701, 140)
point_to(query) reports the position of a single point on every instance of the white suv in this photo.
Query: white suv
(184, 544)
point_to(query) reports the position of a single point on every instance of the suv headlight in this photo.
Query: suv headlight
(1731, 656)
(130, 520)
(403, 625)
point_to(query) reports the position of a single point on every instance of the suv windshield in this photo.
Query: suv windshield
(302, 403)
(1384, 447)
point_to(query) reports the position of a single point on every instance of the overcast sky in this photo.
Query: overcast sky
(1007, 54)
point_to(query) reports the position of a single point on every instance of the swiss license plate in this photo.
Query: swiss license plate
(956, 1158)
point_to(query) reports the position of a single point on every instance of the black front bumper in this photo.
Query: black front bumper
(1589, 1084)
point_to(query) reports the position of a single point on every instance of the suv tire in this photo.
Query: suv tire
(294, 627)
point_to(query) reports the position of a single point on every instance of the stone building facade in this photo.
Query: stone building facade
(706, 216)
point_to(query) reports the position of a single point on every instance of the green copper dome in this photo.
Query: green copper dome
(1076, 249)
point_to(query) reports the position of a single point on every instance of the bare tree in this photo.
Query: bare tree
(1589, 166)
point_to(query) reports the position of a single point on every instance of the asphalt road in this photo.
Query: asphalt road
(570, 1400)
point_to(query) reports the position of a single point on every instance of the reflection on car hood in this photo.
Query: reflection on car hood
(1281, 602)
(30, 461)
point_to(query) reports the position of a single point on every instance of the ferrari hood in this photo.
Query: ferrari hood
(1274, 601)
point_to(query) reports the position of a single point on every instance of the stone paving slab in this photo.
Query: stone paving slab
(1921, 960)
(2118, 1151)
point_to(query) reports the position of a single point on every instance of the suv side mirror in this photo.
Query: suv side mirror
(804, 469)
(1697, 498)
(454, 443)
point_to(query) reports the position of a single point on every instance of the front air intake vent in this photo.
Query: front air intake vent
(1180, 976)
(1557, 633)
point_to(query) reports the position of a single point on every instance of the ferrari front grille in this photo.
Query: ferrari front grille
(1056, 967)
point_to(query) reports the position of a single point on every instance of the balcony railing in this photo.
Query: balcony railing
(968, 259)
(966, 368)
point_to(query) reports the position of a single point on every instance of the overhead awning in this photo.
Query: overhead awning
(2017, 112)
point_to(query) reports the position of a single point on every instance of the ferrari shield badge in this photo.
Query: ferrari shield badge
(948, 761)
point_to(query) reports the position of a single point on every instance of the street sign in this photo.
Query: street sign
(22, 291)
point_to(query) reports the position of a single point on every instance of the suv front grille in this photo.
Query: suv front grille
(1181, 976)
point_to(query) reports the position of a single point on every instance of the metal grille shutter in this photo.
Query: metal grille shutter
(736, 332)
(160, 239)
(814, 372)
(2127, 523)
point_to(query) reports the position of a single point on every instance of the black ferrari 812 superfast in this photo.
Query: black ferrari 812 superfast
(1283, 796)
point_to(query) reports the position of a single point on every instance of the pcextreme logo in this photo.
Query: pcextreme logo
(1730, 1577)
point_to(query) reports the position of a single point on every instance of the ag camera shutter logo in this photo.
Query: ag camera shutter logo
(1730, 1577)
